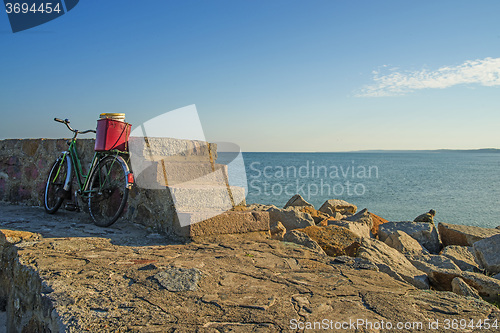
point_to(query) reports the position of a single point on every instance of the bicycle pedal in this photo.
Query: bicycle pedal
(71, 207)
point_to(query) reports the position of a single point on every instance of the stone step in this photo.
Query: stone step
(155, 174)
(209, 223)
(202, 198)
(155, 149)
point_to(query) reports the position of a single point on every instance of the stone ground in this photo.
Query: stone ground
(109, 279)
(3, 320)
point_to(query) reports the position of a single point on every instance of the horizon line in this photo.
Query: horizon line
(386, 150)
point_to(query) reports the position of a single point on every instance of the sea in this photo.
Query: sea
(462, 186)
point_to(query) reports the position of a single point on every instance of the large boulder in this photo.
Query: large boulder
(291, 218)
(297, 201)
(462, 256)
(360, 229)
(391, 262)
(459, 287)
(425, 233)
(332, 206)
(487, 252)
(487, 287)
(404, 243)
(362, 216)
(360, 223)
(428, 263)
(301, 238)
(441, 278)
(456, 234)
(334, 240)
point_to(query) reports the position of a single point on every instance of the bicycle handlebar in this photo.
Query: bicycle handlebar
(66, 122)
(62, 121)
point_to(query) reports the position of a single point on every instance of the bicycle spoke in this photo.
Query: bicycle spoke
(109, 191)
(54, 190)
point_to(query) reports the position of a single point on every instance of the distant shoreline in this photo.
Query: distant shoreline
(480, 150)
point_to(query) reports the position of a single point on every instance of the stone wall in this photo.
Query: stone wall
(24, 166)
(22, 293)
(25, 163)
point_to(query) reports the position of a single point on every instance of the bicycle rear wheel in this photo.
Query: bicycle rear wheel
(58, 185)
(108, 191)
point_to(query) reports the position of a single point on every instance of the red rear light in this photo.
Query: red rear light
(130, 178)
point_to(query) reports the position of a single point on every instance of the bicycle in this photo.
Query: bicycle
(105, 186)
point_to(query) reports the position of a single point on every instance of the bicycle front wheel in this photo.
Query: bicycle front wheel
(108, 191)
(58, 185)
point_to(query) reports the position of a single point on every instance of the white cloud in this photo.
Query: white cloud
(485, 72)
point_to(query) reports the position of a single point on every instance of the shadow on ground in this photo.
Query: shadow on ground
(78, 224)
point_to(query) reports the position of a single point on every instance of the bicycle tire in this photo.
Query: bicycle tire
(108, 190)
(58, 184)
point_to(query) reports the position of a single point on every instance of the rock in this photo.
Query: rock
(337, 216)
(297, 200)
(14, 236)
(360, 223)
(429, 262)
(291, 218)
(487, 287)
(496, 276)
(462, 256)
(391, 262)
(179, 279)
(319, 218)
(459, 287)
(335, 205)
(334, 240)
(487, 252)
(360, 229)
(361, 217)
(425, 233)
(455, 234)
(208, 223)
(278, 231)
(426, 217)
(301, 238)
(377, 221)
(260, 207)
(356, 263)
(441, 278)
(404, 243)
(252, 284)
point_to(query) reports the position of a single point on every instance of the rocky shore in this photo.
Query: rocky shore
(332, 268)
(457, 258)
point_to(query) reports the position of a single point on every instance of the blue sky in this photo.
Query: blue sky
(266, 75)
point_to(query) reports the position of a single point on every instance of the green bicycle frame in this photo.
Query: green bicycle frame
(81, 178)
